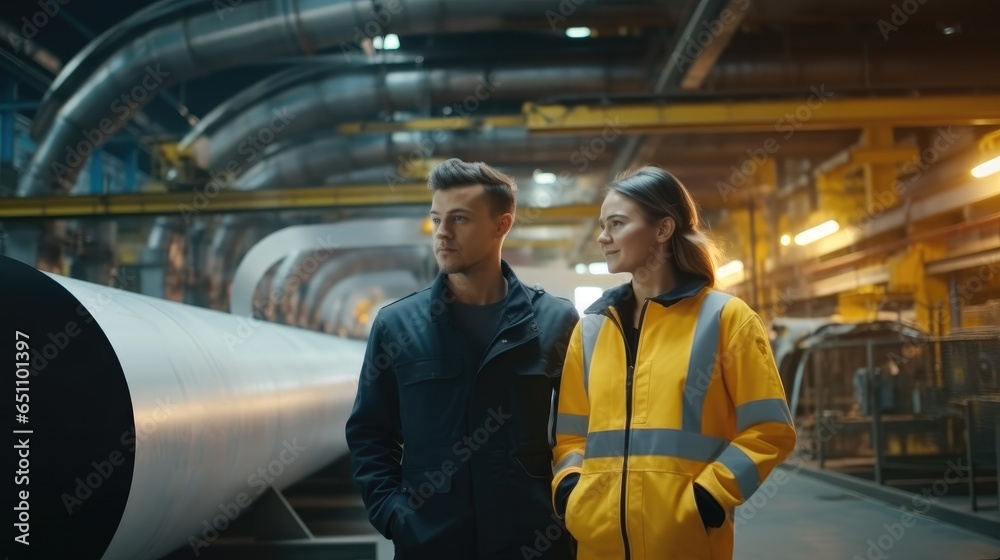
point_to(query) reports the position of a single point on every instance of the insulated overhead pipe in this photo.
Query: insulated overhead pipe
(309, 161)
(146, 420)
(289, 110)
(201, 44)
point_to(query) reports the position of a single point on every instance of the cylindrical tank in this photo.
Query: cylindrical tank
(142, 425)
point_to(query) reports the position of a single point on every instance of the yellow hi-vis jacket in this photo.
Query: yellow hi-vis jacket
(701, 403)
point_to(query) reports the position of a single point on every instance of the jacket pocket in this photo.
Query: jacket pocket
(592, 514)
(432, 405)
(427, 515)
(427, 482)
(537, 465)
(426, 369)
(539, 368)
(671, 524)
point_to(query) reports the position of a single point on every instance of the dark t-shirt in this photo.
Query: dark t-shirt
(477, 325)
(626, 311)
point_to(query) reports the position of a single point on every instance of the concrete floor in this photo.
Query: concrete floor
(802, 518)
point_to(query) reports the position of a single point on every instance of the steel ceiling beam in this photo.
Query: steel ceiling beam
(191, 203)
(821, 110)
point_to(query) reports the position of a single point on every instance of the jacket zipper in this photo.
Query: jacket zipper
(499, 336)
(629, 374)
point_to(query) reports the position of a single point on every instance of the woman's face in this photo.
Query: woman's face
(627, 240)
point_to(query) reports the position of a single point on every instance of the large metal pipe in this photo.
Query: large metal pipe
(313, 159)
(253, 31)
(151, 419)
(240, 139)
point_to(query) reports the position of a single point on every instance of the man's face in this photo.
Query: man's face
(466, 233)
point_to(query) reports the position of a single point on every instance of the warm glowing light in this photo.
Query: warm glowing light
(816, 233)
(786, 240)
(728, 269)
(986, 169)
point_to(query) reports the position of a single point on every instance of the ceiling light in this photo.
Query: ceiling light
(949, 30)
(816, 233)
(583, 296)
(377, 42)
(989, 146)
(544, 178)
(578, 32)
(728, 269)
(986, 169)
(391, 42)
(786, 240)
(581, 268)
(598, 268)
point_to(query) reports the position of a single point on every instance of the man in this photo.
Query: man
(450, 431)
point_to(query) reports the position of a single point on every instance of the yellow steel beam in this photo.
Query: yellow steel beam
(880, 178)
(529, 214)
(191, 202)
(896, 155)
(431, 124)
(194, 202)
(819, 111)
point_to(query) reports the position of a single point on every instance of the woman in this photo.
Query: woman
(671, 411)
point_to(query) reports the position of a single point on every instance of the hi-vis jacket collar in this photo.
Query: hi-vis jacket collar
(688, 286)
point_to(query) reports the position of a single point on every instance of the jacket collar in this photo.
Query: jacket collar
(518, 300)
(618, 296)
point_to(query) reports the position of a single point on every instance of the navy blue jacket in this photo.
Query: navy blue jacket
(453, 466)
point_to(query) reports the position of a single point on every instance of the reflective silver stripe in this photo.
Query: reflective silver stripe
(551, 426)
(610, 443)
(574, 459)
(765, 410)
(661, 442)
(590, 325)
(743, 468)
(702, 359)
(571, 424)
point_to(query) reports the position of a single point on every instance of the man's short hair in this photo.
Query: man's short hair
(500, 187)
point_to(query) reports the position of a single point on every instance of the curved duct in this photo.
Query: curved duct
(224, 238)
(321, 105)
(192, 402)
(202, 44)
(233, 237)
(354, 263)
(313, 160)
(289, 282)
(162, 259)
(336, 311)
(322, 239)
(277, 82)
(86, 61)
